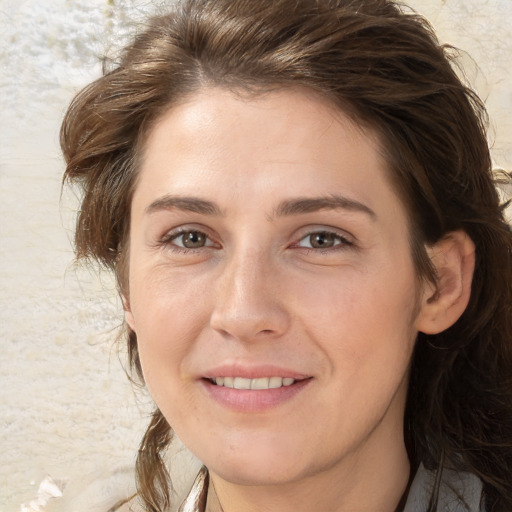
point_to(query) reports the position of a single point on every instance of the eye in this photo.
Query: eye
(192, 239)
(322, 240)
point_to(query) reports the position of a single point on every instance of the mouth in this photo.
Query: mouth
(255, 395)
(261, 383)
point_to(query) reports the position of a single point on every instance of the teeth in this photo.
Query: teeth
(260, 383)
(275, 382)
(241, 383)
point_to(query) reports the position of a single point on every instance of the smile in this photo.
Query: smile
(256, 384)
(254, 395)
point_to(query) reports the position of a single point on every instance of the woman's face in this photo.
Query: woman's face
(269, 251)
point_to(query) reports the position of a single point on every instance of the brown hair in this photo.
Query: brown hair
(385, 68)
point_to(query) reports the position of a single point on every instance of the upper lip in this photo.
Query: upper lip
(247, 371)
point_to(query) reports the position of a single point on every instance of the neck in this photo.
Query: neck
(374, 485)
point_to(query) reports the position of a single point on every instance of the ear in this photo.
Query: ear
(128, 315)
(441, 306)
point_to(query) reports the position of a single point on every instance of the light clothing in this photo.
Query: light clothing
(458, 492)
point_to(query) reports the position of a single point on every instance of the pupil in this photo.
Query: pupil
(321, 240)
(194, 239)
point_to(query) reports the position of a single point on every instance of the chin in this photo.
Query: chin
(254, 473)
(258, 462)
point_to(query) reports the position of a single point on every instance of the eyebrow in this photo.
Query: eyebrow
(190, 204)
(314, 204)
(288, 207)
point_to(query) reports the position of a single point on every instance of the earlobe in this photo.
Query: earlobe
(128, 315)
(442, 304)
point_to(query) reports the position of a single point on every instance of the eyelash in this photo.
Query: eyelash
(341, 242)
(168, 240)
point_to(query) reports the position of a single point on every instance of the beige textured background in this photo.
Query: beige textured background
(66, 408)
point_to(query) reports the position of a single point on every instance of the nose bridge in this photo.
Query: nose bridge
(248, 302)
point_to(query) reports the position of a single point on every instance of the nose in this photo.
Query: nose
(249, 300)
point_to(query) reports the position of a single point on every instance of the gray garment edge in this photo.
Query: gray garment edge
(459, 492)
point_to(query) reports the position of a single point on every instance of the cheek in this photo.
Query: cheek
(358, 301)
(169, 313)
(364, 322)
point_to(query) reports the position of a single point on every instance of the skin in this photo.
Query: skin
(260, 291)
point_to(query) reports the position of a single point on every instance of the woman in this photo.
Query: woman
(297, 200)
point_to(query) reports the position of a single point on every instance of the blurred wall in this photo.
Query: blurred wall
(66, 406)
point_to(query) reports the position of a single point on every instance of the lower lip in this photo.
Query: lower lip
(254, 400)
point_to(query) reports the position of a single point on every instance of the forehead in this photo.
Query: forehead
(240, 111)
(290, 141)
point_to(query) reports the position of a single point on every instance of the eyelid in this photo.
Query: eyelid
(344, 236)
(208, 241)
(170, 235)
